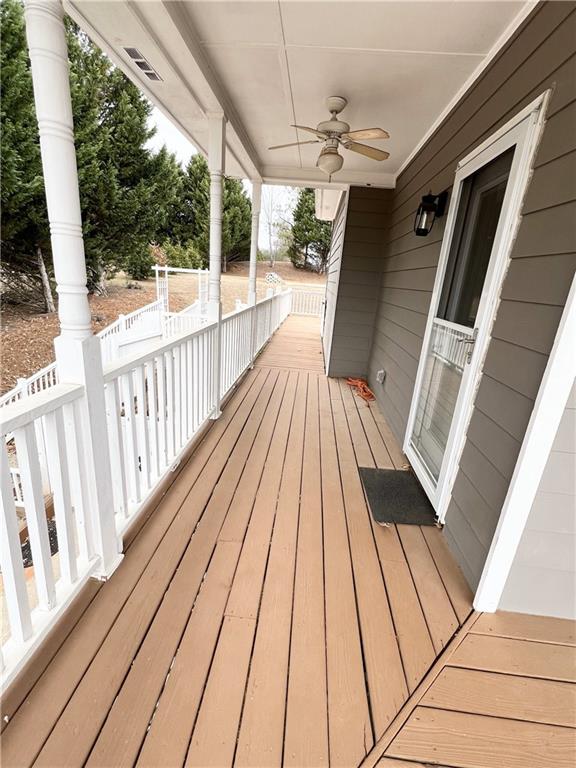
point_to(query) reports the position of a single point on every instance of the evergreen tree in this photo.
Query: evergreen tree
(128, 194)
(192, 221)
(193, 216)
(310, 236)
(23, 209)
(237, 222)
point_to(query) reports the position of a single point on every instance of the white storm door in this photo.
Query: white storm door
(483, 215)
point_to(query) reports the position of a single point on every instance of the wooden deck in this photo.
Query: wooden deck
(259, 618)
(503, 694)
(296, 345)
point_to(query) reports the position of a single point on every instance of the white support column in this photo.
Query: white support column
(216, 159)
(256, 201)
(78, 353)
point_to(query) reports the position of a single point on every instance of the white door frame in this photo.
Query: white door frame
(342, 210)
(523, 131)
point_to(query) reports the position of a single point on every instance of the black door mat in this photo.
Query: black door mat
(396, 496)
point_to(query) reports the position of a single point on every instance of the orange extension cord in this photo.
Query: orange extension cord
(361, 388)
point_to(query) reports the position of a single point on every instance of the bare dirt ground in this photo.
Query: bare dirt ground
(26, 340)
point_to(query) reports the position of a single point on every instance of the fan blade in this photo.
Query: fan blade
(296, 144)
(367, 133)
(310, 130)
(364, 149)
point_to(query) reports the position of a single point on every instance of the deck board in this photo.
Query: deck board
(306, 735)
(261, 737)
(464, 740)
(259, 617)
(350, 729)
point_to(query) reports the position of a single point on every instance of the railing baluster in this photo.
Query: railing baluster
(77, 476)
(133, 458)
(58, 467)
(183, 393)
(11, 559)
(169, 366)
(195, 382)
(152, 419)
(142, 425)
(177, 401)
(189, 393)
(116, 441)
(161, 389)
(27, 452)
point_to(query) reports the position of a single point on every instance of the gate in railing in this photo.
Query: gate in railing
(307, 302)
(156, 403)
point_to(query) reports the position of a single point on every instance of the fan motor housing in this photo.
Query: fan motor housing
(333, 126)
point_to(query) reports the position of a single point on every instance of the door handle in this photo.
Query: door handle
(469, 341)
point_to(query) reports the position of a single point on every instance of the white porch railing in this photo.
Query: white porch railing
(142, 321)
(176, 323)
(32, 611)
(156, 402)
(307, 302)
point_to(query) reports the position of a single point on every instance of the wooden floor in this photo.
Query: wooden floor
(259, 618)
(297, 345)
(503, 694)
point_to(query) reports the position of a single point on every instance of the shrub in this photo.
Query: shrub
(186, 256)
(138, 265)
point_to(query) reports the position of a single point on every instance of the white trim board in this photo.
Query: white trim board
(550, 403)
(342, 211)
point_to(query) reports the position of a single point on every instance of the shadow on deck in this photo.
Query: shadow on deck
(258, 618)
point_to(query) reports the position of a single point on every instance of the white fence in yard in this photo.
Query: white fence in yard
(307, 302)
(156, 402)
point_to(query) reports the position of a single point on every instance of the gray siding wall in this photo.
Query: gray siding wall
(357, 301)
(546, 555)
(541, 55)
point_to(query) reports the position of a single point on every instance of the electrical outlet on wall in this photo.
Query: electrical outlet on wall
(380, 376)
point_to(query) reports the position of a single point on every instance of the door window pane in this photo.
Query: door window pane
(476, 222)
(440, 386)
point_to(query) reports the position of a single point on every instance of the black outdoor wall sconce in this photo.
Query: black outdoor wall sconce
(432, 207)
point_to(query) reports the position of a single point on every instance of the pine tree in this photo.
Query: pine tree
(237, 222)
(310, 236)
(128, 194)
(24, 221)
(193, 217)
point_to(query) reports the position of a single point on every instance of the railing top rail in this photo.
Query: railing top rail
(114, 370)
(187, 270)
(34, 406)
(156, 304)
(308, 288)
(236, 312)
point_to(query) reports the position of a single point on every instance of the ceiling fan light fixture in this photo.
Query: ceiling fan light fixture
(330, 161)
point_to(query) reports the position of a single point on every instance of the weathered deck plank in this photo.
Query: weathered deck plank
(306, 736)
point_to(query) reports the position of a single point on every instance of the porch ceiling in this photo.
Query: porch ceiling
(270, 64)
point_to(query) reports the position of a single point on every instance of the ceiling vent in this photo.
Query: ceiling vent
(142, 64)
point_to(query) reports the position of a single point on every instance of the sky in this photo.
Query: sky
(276, 201)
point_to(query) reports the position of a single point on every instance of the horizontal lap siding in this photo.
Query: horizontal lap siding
(541, 55)
(358, 290)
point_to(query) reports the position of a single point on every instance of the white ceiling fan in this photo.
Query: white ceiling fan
(333, 133)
